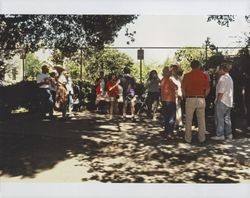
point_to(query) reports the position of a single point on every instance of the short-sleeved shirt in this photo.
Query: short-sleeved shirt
(62, 79)
(100, 88)
(128, 85)
(195, 83)
(52, 85)
(153, 85)
(168, 90)
(177, 82)
(41, 78)
(114, 91)
(225, 86)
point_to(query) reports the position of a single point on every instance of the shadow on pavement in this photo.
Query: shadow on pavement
(119, 151)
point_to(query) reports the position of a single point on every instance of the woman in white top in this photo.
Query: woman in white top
(176, 78)
(70, 92)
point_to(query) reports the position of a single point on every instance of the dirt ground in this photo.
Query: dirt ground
(92, 148)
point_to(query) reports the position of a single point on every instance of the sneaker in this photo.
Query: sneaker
(133, 118)
(230, 137)
(203, 143)
(218, 138)
(187, 142)
(170, 136)
(52, 117)
(154, 118)
(248, 128)
(207, 133)
(110, 117)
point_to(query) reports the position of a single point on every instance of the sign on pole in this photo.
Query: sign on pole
(140, 54)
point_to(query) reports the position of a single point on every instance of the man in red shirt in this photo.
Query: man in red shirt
(195, 87)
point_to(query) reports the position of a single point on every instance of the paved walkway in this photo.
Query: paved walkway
(91, 148)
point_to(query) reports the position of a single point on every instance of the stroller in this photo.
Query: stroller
(141, 103)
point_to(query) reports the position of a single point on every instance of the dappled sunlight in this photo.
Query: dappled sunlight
(101, 150)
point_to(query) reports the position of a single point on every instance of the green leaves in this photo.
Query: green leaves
(107, 60)
(186, 55)
(223, 20)
(32, 66)
(67, 33)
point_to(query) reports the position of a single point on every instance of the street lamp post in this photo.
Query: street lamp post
(23, 57)
(213, 47)
(140, 56)
(207, 43)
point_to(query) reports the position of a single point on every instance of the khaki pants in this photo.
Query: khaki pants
(195, 105)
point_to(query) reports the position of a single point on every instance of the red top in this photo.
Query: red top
(98, 86)
(113, 92)
(168, 89)
(98, 90)
(195, 83)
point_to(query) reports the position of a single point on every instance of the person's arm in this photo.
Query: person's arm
(147, 84)
(97, 82)
(161, 88)
(207, 85)
(44, 81)
(219, 96)
(220, 89)
(116, 84)
(183, 86)
(175, 85)
(207, 91)
(62, 80)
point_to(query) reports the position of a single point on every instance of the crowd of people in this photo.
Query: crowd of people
(119, 91)
(174, 94)
(55, 91)
(177, 94)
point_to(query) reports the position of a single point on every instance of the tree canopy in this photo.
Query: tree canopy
(32, 66)
(107, 60)
(93, 61)
(223, 20)
(185, 55)
(242, 59)
(67, 33)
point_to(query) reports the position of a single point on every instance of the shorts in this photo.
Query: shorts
(130, 98)
(120, 99)
(112, 98)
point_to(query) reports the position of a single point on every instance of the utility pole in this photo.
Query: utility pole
(207, 43)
